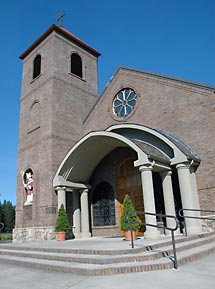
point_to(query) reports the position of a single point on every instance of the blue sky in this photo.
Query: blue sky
(173, 37)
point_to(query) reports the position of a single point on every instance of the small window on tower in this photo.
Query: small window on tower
(76, 65)
(37, 66)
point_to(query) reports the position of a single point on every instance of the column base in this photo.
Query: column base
(168, 232)
(194, 231)
(85, 235)
(193, 227)
(151, 233)
(81, 235)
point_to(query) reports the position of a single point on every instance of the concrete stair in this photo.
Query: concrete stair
(107, 256)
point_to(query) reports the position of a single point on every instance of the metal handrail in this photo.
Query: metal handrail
(156, 226)
(1, 226)
(181, 214)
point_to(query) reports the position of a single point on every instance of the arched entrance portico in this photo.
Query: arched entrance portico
(154, 151)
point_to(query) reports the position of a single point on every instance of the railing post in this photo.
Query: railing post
(185, 227)
(174, 250)
(1, 226)
(132, 239)
(182, 213)
(156, 226)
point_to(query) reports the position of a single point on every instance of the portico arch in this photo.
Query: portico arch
(156, 151)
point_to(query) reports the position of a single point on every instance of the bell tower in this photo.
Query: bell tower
(59, 85)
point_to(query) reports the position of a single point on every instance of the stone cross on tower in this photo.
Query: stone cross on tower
(60, 18)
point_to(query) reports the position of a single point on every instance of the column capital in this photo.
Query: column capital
(147, 167)
(65, 189)
(85, 190)
(183, 166)
(60, 189)
(165, 173)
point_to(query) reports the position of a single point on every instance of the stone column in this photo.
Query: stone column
(195, 190)
(195, 198)
(189, 197)
(85, 232)
(149, 202)
(168, 199)
(76, 214)
(61, 197)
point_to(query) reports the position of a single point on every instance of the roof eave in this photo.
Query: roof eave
(63, 32)
(168, 77)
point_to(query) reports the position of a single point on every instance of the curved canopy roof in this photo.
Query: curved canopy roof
(149, 144)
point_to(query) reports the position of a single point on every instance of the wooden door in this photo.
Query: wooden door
(129, 182)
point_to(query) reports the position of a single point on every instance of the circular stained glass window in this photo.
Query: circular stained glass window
(124, 102)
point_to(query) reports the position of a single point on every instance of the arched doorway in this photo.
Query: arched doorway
(129, 182)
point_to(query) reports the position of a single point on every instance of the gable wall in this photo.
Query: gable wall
(183, 110)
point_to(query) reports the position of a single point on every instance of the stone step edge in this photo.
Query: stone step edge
(197, 243)
(89, 269)
(195, 254)
(102, 259)
(179, 239)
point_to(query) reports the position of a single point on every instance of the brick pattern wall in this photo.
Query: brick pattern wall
(62, 102)
(181, 109)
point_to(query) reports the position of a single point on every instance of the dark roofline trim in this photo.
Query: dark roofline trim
(182, 146)
(181, 80)
(186, 149)
(62, 31)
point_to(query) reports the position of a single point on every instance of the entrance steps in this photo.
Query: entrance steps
(106, 256)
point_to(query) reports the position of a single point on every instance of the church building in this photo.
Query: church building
(147, 135)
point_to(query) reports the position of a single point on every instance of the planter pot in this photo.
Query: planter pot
(61, 236)
(128, 235)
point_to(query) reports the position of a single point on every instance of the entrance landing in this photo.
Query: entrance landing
(106, 256)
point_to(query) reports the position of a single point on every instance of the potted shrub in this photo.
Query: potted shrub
(125, 225)
(62, 224)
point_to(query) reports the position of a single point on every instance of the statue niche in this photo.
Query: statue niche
(28, 183)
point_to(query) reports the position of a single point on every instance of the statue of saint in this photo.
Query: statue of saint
(28, 185)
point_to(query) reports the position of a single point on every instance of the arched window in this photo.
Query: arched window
(34, 121)
(76, 65)
(37, 66)
(103, 205)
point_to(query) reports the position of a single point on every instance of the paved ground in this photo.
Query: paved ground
(198, 274)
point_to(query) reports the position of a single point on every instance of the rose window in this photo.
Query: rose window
(124, 102)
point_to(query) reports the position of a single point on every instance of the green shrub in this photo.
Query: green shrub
(5, 237)
(127, 207)
(62, 223)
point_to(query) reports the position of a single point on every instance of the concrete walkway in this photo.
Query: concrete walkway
(198, 274)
